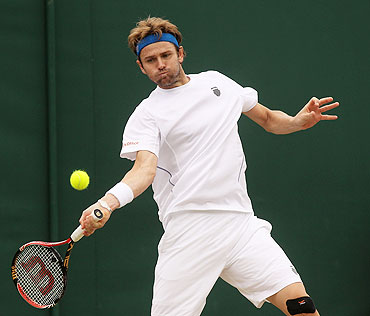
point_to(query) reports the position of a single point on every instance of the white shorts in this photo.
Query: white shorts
(198, 247)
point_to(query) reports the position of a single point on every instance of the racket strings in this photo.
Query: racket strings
(40, 274)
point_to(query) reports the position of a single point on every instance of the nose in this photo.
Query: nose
(161, 64)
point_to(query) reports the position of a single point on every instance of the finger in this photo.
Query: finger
(314, 103)
(87, 234)
(329, 107)
(82, 220)
(328, 117)
(325, 100)
(89, 229)
(94, 223)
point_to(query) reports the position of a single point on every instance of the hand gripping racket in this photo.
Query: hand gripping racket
(39, 272)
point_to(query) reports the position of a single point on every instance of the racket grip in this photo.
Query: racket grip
(79, 232)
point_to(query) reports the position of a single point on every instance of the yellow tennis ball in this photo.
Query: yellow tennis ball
(79, 180)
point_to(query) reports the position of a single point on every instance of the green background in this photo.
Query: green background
(69, 83)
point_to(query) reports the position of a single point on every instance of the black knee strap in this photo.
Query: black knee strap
(300, 305)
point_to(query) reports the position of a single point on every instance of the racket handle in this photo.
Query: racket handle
(79, 232)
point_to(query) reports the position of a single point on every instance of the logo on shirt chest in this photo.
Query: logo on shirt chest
(216, 91)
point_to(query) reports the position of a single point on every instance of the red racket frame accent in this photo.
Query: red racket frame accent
(46, 244)
(29, 301)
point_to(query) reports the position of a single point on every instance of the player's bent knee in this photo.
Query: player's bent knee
(301, 305)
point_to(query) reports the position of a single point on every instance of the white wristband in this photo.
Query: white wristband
(122, 192)
(105, 205)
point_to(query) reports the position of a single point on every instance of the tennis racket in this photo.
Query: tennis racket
(39, 272)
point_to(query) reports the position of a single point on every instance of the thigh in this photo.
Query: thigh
(258, 267)
(191, 255)
(182, 285)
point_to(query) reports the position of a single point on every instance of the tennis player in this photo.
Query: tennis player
(185, 143)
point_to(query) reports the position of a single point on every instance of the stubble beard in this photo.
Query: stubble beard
(170, 80)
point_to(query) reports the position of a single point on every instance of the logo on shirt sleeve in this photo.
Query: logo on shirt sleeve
(216, 91)
(130, 144)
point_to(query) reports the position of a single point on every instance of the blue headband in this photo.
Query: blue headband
(154, 38)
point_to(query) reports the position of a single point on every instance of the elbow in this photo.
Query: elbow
(274, 130)
(151, 174)
(148, 173)
(266, 122)
(268, 128)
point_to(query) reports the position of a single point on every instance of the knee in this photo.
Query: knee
(303, 306)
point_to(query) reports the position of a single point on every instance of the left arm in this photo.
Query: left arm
(278, 122)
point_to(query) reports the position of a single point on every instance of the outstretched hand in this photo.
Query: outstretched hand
(311, 113)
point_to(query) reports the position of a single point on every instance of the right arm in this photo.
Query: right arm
(139, 178)
(142, 174)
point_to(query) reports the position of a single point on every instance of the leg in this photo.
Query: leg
(258, 267)
(292, 291)
(192, 255)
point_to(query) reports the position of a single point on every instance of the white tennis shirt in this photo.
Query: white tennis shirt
(193, 131)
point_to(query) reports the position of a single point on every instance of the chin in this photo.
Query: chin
(165, 83)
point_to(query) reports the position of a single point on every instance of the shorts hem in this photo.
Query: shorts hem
(259, 300)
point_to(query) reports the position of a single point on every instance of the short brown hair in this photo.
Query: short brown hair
(149, 26)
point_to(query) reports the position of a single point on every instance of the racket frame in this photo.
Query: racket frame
(63, 265)
(75, 236)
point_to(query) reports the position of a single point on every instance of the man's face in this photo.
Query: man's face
(162, 64)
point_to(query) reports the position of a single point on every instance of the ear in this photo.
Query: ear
(181, 54)
(141, 66)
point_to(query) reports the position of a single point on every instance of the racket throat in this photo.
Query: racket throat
(68, 254)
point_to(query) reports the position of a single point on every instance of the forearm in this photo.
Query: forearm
(138, 179)
(278, 122)
(273, 121)
(133, 184)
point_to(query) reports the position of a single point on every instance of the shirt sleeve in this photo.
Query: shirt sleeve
(248, 95)
(141, 133)
(249, 98)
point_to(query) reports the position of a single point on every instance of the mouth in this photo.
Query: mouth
(163, 73)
